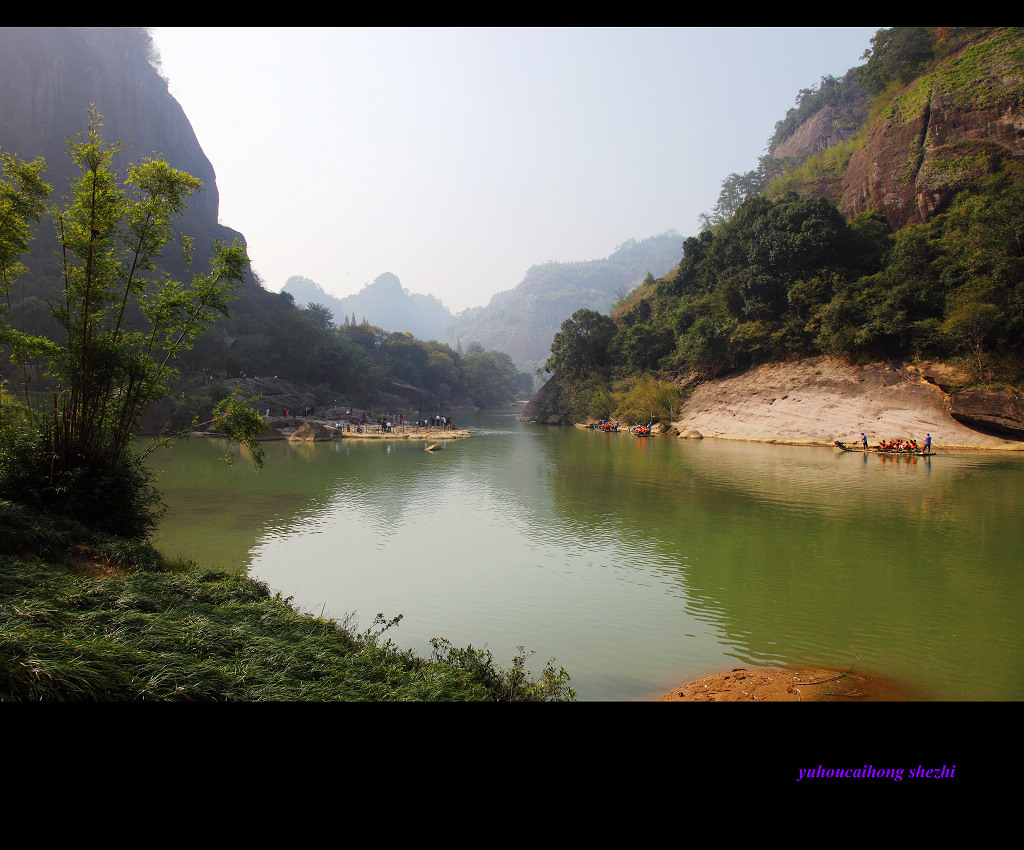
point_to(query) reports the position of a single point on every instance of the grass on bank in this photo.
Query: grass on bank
(92, 617)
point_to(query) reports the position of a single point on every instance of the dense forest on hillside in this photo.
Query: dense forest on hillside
(269, 334)
(356, 362)
(787, 276)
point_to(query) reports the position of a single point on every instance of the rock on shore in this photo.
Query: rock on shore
(310, 432)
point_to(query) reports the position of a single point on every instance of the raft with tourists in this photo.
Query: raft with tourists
(612, 427)
(893, 448)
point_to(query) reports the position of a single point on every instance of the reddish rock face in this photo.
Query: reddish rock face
(943, 132)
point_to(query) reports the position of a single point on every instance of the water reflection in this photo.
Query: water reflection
(635, 562)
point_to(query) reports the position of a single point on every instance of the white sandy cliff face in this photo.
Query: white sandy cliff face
(818, 401)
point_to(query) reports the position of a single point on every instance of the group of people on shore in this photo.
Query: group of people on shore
(396, 421)
(361, 421)
(445, 423)
(289, 413)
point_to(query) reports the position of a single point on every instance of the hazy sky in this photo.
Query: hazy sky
(458, 158)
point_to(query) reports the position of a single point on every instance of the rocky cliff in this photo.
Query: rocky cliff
(816, 135)
(548, 405)
(52, 75)
(944, 131)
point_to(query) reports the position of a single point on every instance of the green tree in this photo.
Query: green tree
(736, 189)
(646, 399)
(983, 249)
(321, 316)
(441, 367)
(969, 323)
(641, 346)
(896, 55)
(581, 345)
(23, 197)
(488, 376)
(122, 324)
(905, 293)
(706, 347)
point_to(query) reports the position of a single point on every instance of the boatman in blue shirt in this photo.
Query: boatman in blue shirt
(928, 442)
(864, 440)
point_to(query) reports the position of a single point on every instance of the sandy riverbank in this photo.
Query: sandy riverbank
(819, 401)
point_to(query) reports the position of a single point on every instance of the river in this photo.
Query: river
(637, 564)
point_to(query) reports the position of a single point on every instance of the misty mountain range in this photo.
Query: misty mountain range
(520, 322)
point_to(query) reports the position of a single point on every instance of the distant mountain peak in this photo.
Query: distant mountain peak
(386, 281)
(385, 303)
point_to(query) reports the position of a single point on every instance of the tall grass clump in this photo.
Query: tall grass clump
(646, 398)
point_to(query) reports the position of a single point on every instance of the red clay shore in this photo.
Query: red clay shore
(769, 685)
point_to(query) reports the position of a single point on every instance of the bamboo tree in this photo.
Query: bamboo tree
(124, 324)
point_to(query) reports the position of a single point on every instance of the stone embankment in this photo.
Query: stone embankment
(303, 431)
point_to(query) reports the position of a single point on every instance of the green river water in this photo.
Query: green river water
(637, 564)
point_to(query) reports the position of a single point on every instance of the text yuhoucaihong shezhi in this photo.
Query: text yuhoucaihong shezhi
(869, 771)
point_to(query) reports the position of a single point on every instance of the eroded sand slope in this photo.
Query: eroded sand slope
(821, 400)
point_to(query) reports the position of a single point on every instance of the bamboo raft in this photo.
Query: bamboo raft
(884, 453)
